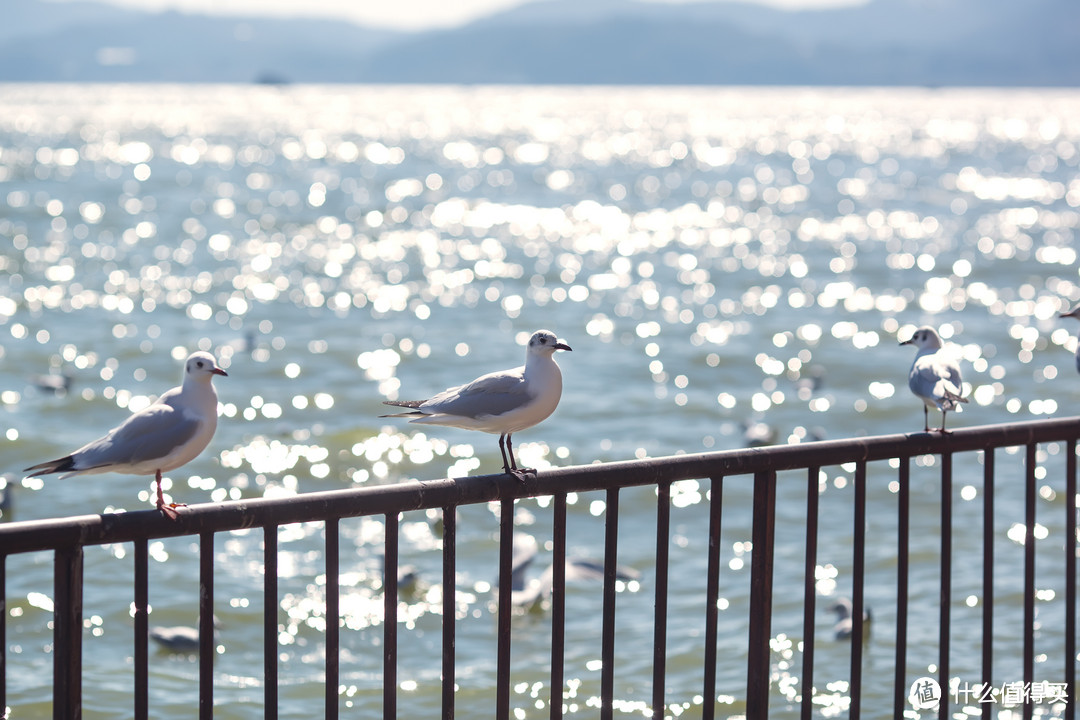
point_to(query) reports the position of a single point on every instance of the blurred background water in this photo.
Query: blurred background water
(717, 258)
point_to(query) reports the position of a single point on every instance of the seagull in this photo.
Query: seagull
(528, 593)
(844, 624)
(180, 639)
(501, 402)
(57, 383)
(1074, 313)
(159, 438)
(934, 377)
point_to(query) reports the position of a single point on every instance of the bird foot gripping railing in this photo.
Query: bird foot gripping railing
(774, 471)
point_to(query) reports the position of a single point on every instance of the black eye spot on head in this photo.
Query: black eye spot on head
(199, 363)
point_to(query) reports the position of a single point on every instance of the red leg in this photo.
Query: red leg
(170, 509)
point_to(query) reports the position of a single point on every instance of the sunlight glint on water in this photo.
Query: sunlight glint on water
(718, 259)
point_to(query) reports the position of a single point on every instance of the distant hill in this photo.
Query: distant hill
(884, 42)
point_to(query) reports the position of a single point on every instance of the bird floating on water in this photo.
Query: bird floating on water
(934, 376)
(502, 402)
(531, 592)
(161, 437)
(180, 639)
(845, 625)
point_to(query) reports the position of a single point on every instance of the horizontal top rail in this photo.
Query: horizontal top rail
(37, 535)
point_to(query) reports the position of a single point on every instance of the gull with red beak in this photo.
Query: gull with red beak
(161, 437)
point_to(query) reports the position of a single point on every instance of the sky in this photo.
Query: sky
(395, 14)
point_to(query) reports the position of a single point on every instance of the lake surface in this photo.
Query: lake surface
(715, 257)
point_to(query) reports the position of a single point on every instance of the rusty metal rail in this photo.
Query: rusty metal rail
(67, 537)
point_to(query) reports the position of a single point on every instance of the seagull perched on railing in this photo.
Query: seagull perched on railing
(935, 376)
(161, 437)
(501, 402)
(1074, 313)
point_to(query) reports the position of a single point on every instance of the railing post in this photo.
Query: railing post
(857, 587)
(1029, 575)
(506, 561)
(945, 596)
(390, 600)
(333, 616)
(206, 625)
(3, 634)
(607, 630)
(903, 538)
(558, 605)
(712, 593)
(67, 633)
(761, 579)
(449, 616)
(1070, 578)
(142, 651)
(988, 576)
(810, 591)
(270, 622)
(663, 539)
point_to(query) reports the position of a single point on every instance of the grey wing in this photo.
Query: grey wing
(492, 394)
(152, 433)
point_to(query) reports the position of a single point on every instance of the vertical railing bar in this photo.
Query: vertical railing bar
(67, 633)
(902, 541)
(663, 526)
(270, 622)
(607, 635)
(857, 586)
(945, 598)
(712, 596)
(1070, 579)
(761, 581)
(810, 592)
(3, 635)
(506, 584)
(1029, 576)
(505, 607)
(333, 616)
(141, 640)
(206, 625)
(390, 591)
(449, 610)
(988, 578)
(558, 604)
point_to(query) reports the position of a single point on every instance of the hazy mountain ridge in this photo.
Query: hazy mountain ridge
(885, 42)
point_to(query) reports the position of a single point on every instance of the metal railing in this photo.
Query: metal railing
(67, 538)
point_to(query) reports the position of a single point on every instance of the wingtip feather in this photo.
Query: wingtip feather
(64, 464)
